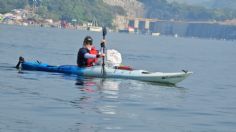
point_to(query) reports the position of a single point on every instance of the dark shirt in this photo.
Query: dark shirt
(81, 60)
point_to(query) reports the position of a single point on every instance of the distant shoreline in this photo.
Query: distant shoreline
(167, 35)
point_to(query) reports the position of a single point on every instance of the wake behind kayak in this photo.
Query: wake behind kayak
(111, 72)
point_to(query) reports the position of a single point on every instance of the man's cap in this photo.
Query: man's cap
(88, 39)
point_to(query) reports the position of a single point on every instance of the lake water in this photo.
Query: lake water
(52, 102)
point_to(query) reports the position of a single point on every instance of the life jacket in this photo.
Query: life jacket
(92, 61)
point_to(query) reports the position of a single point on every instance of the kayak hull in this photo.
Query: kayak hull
(110, 72)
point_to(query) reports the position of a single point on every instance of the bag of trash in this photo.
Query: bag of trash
(113, 58)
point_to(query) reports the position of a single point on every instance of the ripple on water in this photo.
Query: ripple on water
(165, 109)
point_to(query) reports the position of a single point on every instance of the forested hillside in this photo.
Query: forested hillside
(81, 10)
(230, 4)
(165, 10)
(87, 10)
(7, 5)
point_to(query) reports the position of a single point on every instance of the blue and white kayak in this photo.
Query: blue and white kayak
(110, 72)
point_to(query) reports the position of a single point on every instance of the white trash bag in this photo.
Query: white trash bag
(113, 58)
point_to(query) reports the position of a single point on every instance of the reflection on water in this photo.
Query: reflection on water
(109, 88)
(99, 98)
(97, 90)
(102, 85)
(110, 100)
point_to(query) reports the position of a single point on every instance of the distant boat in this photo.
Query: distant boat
(94, 26)
(127, 30)
(123, 31)
(94, 29)
(156, 34)
(176, 36)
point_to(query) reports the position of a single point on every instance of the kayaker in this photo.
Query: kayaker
(88, 55)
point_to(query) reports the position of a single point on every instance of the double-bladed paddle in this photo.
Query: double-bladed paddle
(104, 33)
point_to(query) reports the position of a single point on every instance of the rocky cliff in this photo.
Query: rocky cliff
(132, 7)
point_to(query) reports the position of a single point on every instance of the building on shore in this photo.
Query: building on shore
(202, 29)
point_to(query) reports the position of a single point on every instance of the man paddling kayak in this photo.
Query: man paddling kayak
(88, 55)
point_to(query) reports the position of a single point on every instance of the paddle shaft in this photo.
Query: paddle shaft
(103, 50)
(104, 32)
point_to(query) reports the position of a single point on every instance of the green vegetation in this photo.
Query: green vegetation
(88, 10)
(220, 4)
(164, 10)
(228, 4)
(8, 5)
(81, 10)
(1, 18)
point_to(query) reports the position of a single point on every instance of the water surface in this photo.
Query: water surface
(41, 101)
